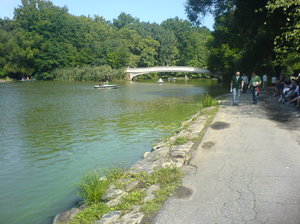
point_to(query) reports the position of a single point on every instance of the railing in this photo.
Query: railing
(140, 71)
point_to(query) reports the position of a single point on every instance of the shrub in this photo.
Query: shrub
(180, 140)
(88, 73)
(92, 187)
(208, 101)
(91, 214)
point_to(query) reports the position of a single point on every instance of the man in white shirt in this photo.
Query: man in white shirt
(264, 81)
(274, 80)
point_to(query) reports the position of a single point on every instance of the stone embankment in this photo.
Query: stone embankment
(168, 153)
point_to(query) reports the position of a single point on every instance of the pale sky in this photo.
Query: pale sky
(145, 10)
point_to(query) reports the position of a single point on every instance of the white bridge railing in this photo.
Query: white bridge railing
(133, 72)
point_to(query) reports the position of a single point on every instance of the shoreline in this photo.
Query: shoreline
(175, 151)
(6, 80)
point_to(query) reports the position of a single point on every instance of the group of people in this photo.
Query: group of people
(286, 88)
(240, 84)
(102, 83)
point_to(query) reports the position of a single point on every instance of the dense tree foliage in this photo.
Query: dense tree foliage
(42, 40)
(251, 35)
(287, 43)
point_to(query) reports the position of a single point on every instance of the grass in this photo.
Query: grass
(167, 178)
(170, 130)
(180, 140)
(208, 101)
(92, 187)
(133, 198)
(91, 214)
(211, 115)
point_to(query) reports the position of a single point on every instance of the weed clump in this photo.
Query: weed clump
(208, 101)
(92, 187)
(180, 140)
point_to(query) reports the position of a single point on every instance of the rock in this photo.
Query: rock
(112, 193)
(145, 155)
(179, 162)
(147, 166)
(117, 200)
(124, 181)
(132, 218)
(109, 218)
(168, 164)
(136, 208)
(189, 169)
(103, 178)
(178, 154)
(149, 198)
(161, 153)
(150, 192)
(188, 158)
(66, 216)
(132, 185)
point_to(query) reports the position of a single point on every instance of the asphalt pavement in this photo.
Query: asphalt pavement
(246, 169)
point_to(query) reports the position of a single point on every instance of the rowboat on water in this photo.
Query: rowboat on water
(105, 86)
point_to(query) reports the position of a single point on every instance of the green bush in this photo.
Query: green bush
(208, 101)
(91, 214)
(92, 186)
(88, 73)
(180, 140)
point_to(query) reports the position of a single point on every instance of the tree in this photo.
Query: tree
(287, 43)
(18, 52)
(42, 38)
(253, 38)
(124, 20)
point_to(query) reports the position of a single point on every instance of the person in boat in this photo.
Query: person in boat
(106, 83)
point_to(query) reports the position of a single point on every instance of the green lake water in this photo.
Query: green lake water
(53, 133)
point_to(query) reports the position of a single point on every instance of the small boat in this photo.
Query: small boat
(105, 86)
(160, 81)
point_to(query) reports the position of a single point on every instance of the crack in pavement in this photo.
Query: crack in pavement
(254, 199)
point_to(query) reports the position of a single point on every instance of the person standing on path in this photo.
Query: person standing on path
(246, 82)
(264, 81)
(254, 84)
(236, 85)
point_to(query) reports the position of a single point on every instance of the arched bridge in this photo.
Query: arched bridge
(133, 72)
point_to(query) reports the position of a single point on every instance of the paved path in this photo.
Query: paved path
(247, 169)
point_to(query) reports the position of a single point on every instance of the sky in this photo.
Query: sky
(145, 10)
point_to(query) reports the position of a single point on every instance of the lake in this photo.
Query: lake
(53, 133)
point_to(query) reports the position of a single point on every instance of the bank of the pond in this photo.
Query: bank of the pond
(137, 194)
(6, 79)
